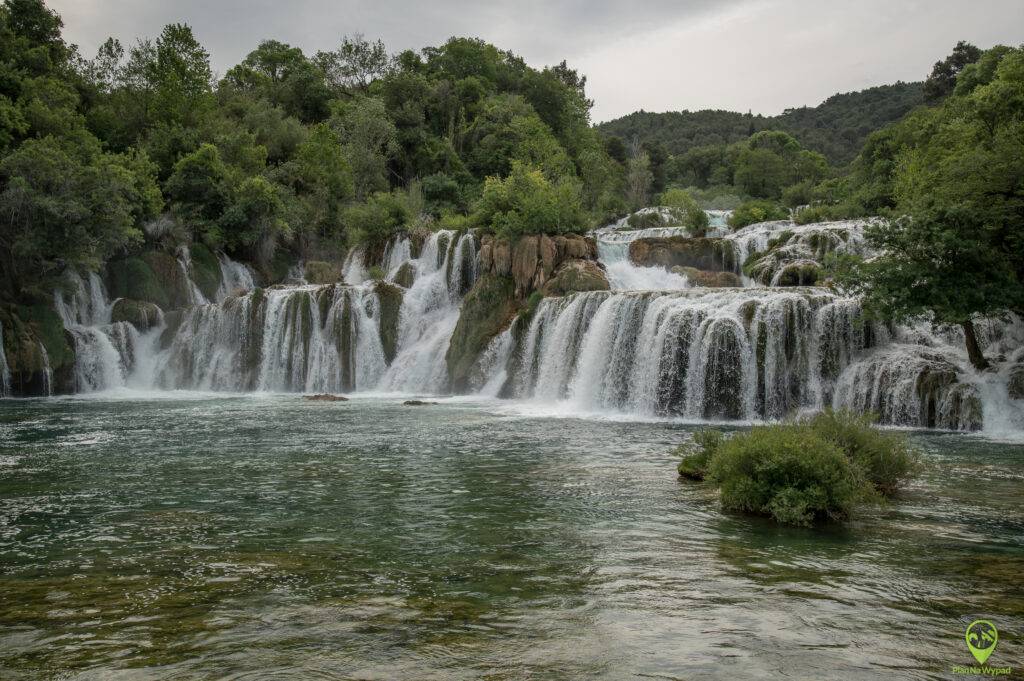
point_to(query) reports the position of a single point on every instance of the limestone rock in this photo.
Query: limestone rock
(576, 275)
(417, 403)
(713, 255)
(141, 314)
(487, 310)
(406, 275)
(325, 397)
(708, 279)
(320, 272)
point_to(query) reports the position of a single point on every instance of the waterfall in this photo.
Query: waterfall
(47, 370)
(740, 354)
(306, 338)
(195, 295)
(235, 279)
(444, 271)
(613, 252)
(105, 352)
(329, 338)
(5, 369)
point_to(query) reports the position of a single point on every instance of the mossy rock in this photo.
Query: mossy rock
(276, 271)
(322, 273)
(141, 314)
(170, 276)
(575, 276)
(28, 330)
(390, 298)
(708, 279)
(801, 274)
(406, 275)
(134, 278)
(1016, 384)
(205, 270)
(714, 255)
(486, 311)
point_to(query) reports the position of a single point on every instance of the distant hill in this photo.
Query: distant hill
(837, 127)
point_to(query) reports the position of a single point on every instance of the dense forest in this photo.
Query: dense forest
(293, 156)
(835, 128)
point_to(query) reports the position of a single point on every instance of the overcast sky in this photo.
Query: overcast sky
(662, 55)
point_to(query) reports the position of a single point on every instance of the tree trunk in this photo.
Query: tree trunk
(973, 349)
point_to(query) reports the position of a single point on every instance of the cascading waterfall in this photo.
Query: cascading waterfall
(623, 275)
(328, 338)
(444, 271)
(105, 352)
(235, 279)
(703, 353)
(304, 338)
(195, 295)
(5, 369)
(652, 346)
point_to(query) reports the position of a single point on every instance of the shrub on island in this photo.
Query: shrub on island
(801, 472)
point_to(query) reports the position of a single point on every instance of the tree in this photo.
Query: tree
(370, 142)
(959, 252)
(942, 80)
(199, 191)
(63, 206)
(355, 64)
(638, 178)
(526, 202)
(181, 74)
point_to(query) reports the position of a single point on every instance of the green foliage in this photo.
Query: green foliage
(526, 202)
(886, 458)
(786, 472)
(942, 81)
(752, 212)
(696, 456)
(378, 218)
(803, 471)
(836, 128)
(684, 205)
(957, 252)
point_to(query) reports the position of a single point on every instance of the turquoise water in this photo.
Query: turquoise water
(270, 537)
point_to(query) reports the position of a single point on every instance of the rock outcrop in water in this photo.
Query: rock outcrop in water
(702, 253)
(532, 260)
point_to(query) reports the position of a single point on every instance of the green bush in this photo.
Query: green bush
(526, 202)
(683, 205)
(696, 456)
(885, 458)
(814, 469)
(379, 218)
(787, 472)
(645, 220)
(752, 212)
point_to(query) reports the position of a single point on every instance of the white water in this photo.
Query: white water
(651, 347)
(106, 353)
(195, 295)
(623, 275)
(5, 369)
(235, 279)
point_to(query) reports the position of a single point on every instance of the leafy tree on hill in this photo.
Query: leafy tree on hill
(942, 80)
(959, 251)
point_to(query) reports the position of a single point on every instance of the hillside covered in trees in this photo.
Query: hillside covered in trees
(835, 128)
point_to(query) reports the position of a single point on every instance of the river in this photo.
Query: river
(190, 535)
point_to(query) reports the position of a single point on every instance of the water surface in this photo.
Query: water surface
(270, 537)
